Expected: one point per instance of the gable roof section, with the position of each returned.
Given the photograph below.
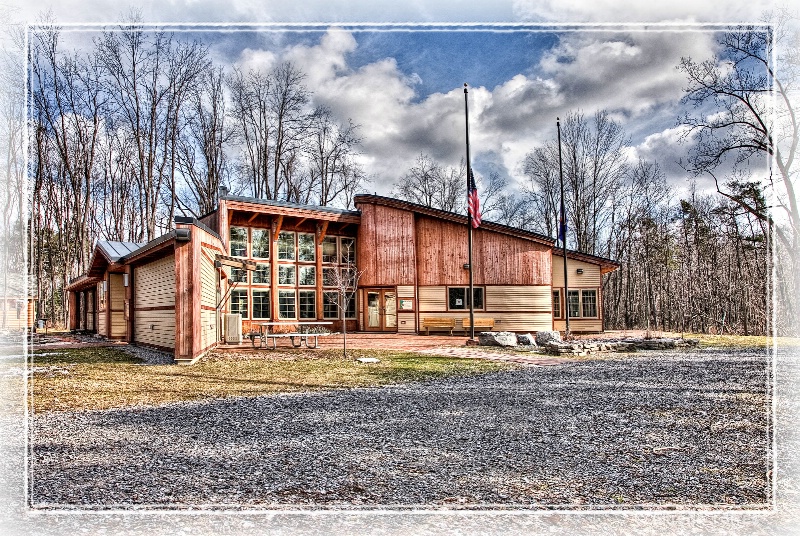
(114, 251)
(453, 217)
(606, 265)
(287, 208)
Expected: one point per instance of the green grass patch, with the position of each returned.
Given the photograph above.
(741, 341)
(104, 378)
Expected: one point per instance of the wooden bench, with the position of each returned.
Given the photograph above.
(482, 324)
(438, 324)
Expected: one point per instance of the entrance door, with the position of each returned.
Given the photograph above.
(381, 313)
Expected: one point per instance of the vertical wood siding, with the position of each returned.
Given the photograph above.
(386, 246)
(498, 259)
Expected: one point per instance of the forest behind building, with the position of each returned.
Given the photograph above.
(143, 126)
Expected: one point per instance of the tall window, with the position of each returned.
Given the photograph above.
(286, 246)
(286, 273)
(329, 308)
(286, 304)
(239, 302)
(329, 277)
(329, 249)
(238, 275)
(348, 250)
(238, 242)
(261, 306)
(308, 304)
(306, 249)
(589, 302)
(573, 303)
(308, 276)
(556, 304)
(260, 243)
(458, 297)
(261, 274)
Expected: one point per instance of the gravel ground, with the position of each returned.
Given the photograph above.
(676, 429)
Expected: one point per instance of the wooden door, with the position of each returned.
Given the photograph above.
(381, 310)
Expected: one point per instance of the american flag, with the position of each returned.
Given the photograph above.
(562, 225)
(473, 203)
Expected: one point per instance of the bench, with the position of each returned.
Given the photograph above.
(482, 324)
(438, 324)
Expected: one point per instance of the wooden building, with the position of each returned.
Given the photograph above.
(272, 261)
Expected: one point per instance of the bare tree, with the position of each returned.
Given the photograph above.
(345, 280)
(430, 184)
(201, 151)
(743, 115)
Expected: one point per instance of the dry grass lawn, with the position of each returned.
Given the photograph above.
(103, 378)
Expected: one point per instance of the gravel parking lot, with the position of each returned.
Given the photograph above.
(655, 429)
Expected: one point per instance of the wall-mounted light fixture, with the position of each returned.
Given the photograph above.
(466, 266)
(105, 286)
(580, 270)
(125, 279)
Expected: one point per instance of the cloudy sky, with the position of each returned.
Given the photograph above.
(403, 82)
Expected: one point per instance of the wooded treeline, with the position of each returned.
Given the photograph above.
(144, 126)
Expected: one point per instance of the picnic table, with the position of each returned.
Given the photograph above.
(297, 337)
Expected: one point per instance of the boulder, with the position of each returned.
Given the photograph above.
(526, 340)
(543, 337)
(497, 338)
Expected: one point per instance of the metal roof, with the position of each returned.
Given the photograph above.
(287, 204)
(116, 250)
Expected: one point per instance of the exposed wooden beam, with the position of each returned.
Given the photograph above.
(322, 230)
(277, 223)
(299, 223)
(254, 216)
(230, 217)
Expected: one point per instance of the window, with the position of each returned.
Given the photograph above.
(261, 306)
(238, 242)
(286, 304)
(308, 276)
(331, 310)
(348, 251)
(306, 249)
(286, 246)
(329, 249)
(329, 307)
(329, 278)
(286, 273)
(573, 303)
(238, 275)
(589, 303)
(260, 243)
(556, 304)
(308, 304)
(261, 274)
(239, 302)
(457, 297)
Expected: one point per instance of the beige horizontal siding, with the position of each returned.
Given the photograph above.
(410, 323)
(101, 323)
(208, 281)
(155, 327)
(520, 298)
(590, 277)
(208, 328)
(432, 299)
(117, 297)
(405, 291)
(154, 283)
(119, 326)
(591, 325)
(513, 321)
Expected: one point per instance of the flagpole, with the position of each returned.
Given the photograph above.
(471, 296)
(562, 226)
